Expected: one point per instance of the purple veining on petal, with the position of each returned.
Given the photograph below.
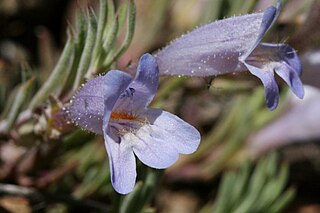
(128, 93)
(144, 86)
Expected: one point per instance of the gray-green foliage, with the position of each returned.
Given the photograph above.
(142, 192)
(254, 190)
(23, 93)
(91, 48)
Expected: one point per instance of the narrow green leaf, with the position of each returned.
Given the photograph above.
(282, 201)
(110, 18)
(273, 189)
(9, 102)
(95, 179)
(122, 14)
(21, 97)
(130, 200)
(58, 75)
(257, 183)
(262, 191)
(87, 50)
(110, 36)
(150, 183)
(259, 176)
(131, 18)
(106, 11)
(100, 29)
(142, 193)
(240, 188)
(271, 165)
(222, 204)
(80, 39)
(109, 41)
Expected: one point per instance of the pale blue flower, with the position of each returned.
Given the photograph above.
(233, 45)
(298, 122)
(116, 106)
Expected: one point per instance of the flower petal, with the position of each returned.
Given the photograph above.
(147, 76)
(178, 133)
(163, 139)
(141, 91)
(151, 151)
(160, 138)
(269, 83)
(122, 164)
(280, 58)
(269, 17)
(115, 83)
(121, 158)
(289, 68)
(87, 105)
(212, 49)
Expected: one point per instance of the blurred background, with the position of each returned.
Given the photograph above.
(249, 160)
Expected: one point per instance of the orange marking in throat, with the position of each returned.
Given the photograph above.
(123, 116)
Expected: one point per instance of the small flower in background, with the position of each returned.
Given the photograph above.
(233, 45)
(299, 122)
(115, 105)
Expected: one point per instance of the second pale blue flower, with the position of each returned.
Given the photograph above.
(233, 45)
